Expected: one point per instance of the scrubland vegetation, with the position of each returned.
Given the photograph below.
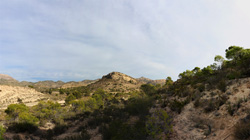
(216, 76)
(113, 115)
(137, 114)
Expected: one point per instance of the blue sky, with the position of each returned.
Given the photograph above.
(85, 39)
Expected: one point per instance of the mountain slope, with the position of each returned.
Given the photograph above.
(153, 82)
(78, 84)
(6, 77)
(7, 80)
(12, 95)
(117, 82)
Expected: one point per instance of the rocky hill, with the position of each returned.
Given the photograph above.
(6, 77)
(7, 80)
(153, 82)
(117, 82)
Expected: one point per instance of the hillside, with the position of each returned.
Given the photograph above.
(212, 103)
(13, 95)
(6, 77)
(116, 82)
(212, 122)
(153, 82)
(7, 80)
(78, 84)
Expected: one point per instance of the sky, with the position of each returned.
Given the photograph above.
(74, 40)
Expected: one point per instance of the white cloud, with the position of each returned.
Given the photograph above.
(76, 40)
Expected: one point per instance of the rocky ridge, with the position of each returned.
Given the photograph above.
(116, 82)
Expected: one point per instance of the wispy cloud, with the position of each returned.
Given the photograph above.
(76, 40)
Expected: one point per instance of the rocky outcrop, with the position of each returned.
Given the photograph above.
(119, 76)
(116, 82)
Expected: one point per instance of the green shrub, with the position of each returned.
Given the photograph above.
(69, 98)
(177, 106)
(77, 94)
(91, 105)
(26, 123)
(148, 89)
(100, 92)
(99, 100)
(233, 75)
(61, 91)
(26, 117)
(2, 131)
(169, 81)
(13, 110)
(78, 106)
(46, 110)
(119, 130)
(159, 122)
(49, 111)
(138, 106)
(21, 119)
(30, 86)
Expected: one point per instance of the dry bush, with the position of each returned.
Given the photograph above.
(202, 123)
(242, 130)
(213, 103)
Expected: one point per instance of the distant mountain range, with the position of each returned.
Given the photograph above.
(110, 81)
